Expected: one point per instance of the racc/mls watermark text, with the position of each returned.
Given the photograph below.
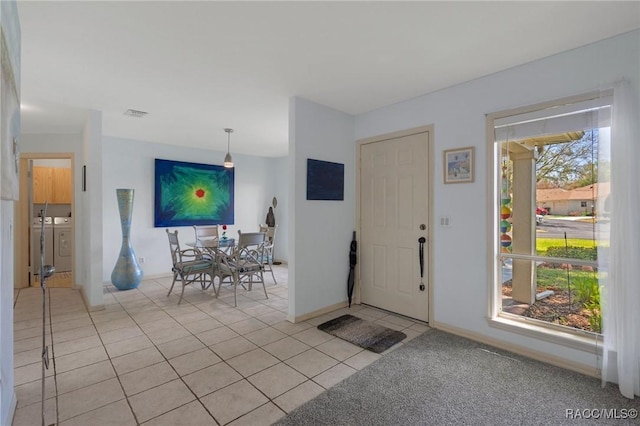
(601, 413)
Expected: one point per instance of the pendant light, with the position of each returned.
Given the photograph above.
(228, 161)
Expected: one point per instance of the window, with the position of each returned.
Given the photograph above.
(550, 180)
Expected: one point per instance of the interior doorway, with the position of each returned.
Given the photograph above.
(395, 222)
(45, 179)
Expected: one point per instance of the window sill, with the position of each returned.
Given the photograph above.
(583, 341)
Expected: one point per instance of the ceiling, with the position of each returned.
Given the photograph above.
(198, 67)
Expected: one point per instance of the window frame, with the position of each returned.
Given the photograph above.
(573, 338)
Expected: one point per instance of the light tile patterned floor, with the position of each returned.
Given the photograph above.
(144, 359)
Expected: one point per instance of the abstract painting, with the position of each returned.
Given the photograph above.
(193, 194)
(325, 180)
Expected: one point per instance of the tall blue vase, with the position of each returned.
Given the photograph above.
(127, 273)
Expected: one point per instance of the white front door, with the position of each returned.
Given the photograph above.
(393, 210)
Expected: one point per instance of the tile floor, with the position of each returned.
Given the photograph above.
(146, 360)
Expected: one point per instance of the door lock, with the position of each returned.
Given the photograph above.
(423, 226)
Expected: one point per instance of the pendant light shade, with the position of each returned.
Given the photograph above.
(228, 161)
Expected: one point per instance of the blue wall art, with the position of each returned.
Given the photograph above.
(192, 194)
(325, 180)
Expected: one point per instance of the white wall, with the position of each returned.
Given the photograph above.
(280, 171)
(89, 260)
(321, 230)
(7, 397)
(130, 164)
(458, 115)
(54, 143)
(11, 34)
(61, 163)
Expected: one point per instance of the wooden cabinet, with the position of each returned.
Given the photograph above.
(42, 184)
(52, 184)
(61, 186)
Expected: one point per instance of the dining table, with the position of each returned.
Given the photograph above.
(210, 244)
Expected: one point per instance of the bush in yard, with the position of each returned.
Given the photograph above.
(595, 318)
(585, 289)
(587, 292)
(572, 252)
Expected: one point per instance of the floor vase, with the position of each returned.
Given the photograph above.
(127, 273)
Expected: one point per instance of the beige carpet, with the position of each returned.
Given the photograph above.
(442, 379)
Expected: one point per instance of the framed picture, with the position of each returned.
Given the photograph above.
(193, 194)
(325, 180)
(458, 165)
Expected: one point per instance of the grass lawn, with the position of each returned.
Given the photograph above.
(548, 277)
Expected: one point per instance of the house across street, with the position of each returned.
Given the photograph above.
(574, 202)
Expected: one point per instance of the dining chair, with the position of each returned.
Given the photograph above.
(189, 266)
(205, 235)
(268, 248)
(244, 264)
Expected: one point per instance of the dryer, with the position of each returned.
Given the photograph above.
(63, 243)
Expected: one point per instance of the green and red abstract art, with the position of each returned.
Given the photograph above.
(192, 194)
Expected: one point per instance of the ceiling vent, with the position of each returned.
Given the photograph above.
(135, 113)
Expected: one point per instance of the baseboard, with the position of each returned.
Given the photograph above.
(153, 277)
(85, 299)
(148, 277)
(322, 311)
(520, 350)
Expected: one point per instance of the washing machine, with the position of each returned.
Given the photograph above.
(36, 232)
(63, 243)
